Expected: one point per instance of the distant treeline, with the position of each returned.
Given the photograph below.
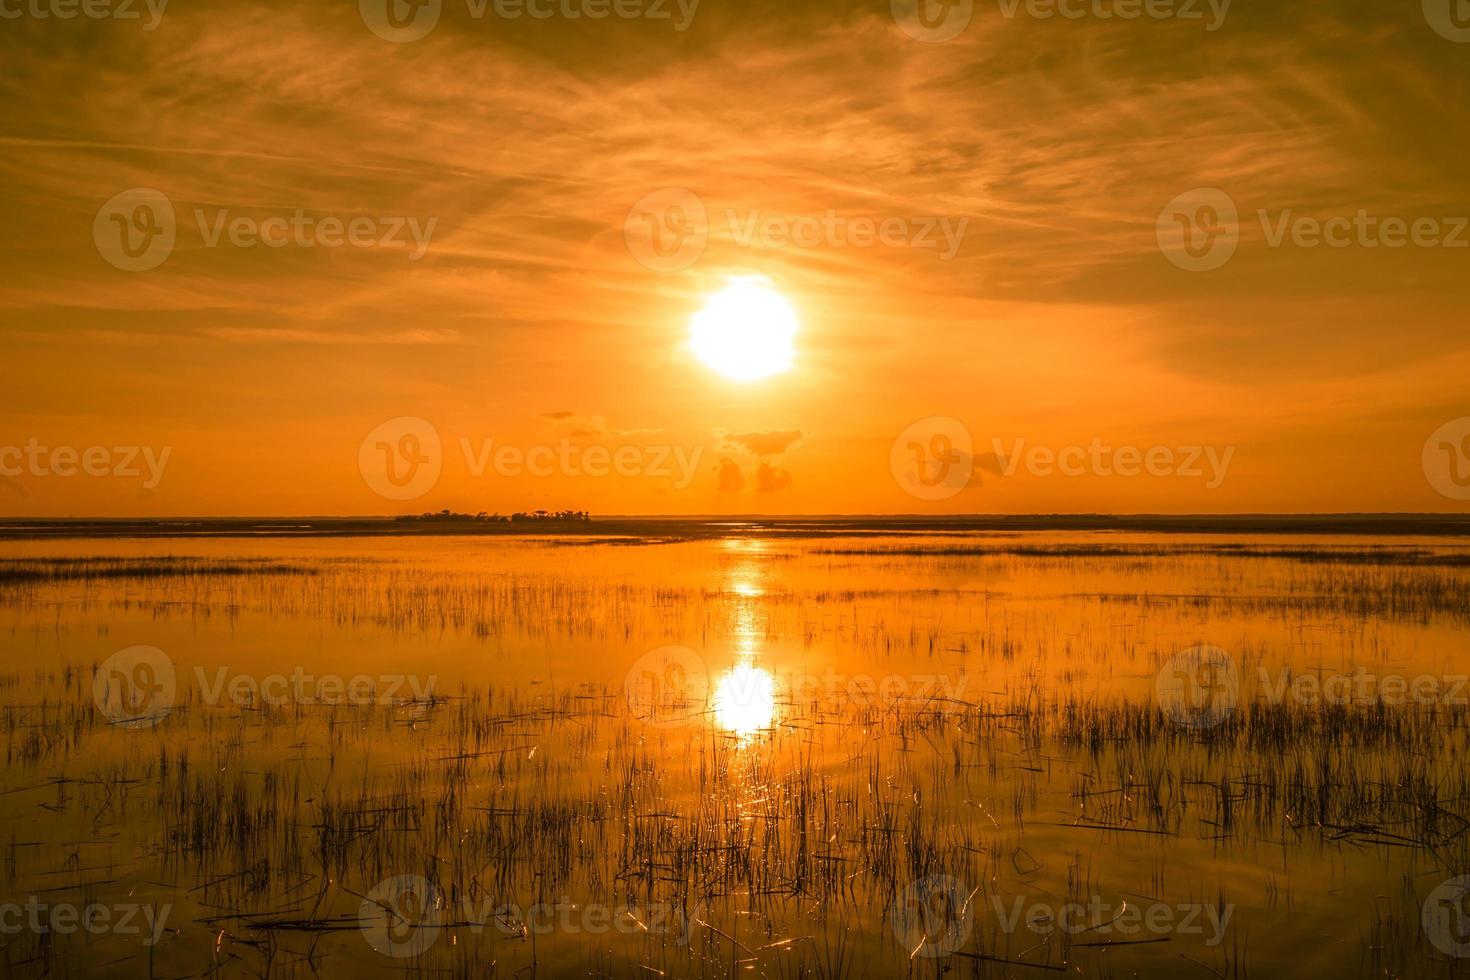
(520, 517)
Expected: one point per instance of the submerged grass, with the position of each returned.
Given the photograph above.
(1050, 775)
(43, 571)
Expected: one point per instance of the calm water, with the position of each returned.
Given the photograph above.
(1003, 755)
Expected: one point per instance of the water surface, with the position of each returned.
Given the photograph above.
(867, 755)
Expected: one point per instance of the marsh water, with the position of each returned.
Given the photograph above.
(833, 755)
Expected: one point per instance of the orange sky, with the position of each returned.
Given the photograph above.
(1048, 147)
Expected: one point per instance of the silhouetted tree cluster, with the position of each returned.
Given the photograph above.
(520, 517)
(559, 516)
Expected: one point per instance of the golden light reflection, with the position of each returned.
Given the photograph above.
(746, 587)
(745, 700)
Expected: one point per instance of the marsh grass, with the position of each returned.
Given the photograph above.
(1055, 776)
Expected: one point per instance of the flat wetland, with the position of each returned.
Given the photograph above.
(825, 749)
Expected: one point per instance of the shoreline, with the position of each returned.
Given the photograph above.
(690, 528)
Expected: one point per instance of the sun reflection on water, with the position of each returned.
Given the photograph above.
(745, 700)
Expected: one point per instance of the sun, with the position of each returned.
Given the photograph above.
(746, 331)
(745, 700)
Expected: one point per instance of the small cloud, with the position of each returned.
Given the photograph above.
(764, 443)
(731, 479)
(297, 335)
(591, 426)
(769, 478)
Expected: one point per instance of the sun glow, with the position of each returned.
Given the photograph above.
(746, 331)
(745, 700)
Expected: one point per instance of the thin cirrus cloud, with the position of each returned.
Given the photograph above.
(764, 443)
(1057, 142)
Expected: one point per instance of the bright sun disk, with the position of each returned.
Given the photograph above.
(745, 332)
